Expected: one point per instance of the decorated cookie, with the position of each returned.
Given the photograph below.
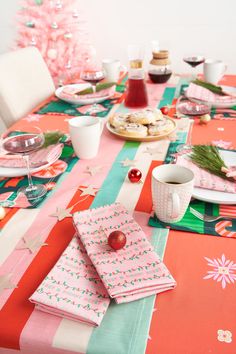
(133, 130)
(160, 127)
(119, 120)
(146, 116)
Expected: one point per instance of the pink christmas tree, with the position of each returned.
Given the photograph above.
(55, 28)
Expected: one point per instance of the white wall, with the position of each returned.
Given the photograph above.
(184, 27)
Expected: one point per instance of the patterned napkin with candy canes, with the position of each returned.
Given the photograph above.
(73, 288)
(130, 273)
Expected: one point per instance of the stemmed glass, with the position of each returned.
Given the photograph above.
(194, 61)
(93, 77)
(24, 144)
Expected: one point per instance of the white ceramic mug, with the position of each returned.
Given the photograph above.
(213, 70)
(112, 68)
(172, 188)
(85, 133)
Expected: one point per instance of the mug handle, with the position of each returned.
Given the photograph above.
(101, 126)
(175, 210)
(224, 68)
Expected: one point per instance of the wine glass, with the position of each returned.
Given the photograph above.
(24, 143)
(194, 61)
(93, 77)
(188, 145)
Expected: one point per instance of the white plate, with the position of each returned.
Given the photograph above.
(208, 195)
(219, 104)
(19, 172)
(78, 100)
(145, 138)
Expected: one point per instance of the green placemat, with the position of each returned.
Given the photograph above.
(50, 177)
(62, 107)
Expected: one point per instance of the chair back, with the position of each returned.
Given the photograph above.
(25, 81)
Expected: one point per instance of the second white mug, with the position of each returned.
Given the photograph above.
(85, 133)
(213, 70)
(112, 68)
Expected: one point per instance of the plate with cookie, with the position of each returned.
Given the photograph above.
(145, 125)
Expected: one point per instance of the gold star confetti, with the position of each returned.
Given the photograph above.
(93, 170)
(62, 213)
(153, 151)
(89, 190)
(6, 283)
(32, 244)
(127, 162)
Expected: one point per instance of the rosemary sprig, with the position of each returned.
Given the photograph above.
(99, 87)
(208, 158)
(213, 88)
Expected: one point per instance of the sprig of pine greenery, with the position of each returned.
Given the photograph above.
(51, 138)
(208, 158)
(213, 88)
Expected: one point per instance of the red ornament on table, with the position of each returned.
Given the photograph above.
(164, 110)
(117, 240)
(135, 175)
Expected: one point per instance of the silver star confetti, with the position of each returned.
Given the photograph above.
(89, 190)
(32, 244)
(93, 170)
(127, 162)
(153, 151)
(61, 213)
(6, 283)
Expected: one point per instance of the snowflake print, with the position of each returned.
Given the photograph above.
(224, 336)
(223, 270)
(32, 118)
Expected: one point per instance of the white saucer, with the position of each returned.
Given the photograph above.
(208, 195)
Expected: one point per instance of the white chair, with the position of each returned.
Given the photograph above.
(25, 81)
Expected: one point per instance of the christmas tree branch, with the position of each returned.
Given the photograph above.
(208, 158)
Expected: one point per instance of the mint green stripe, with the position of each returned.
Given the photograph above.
(115, 179)
(167, 97)
(125, 327)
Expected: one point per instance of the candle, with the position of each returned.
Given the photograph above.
(2, 212)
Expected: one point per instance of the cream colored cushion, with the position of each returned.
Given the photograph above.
(25, 82)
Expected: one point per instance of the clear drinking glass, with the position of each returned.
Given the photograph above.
(93, 77)
(24, 144)
(193, 61)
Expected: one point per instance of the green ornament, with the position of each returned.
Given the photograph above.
(38, 2)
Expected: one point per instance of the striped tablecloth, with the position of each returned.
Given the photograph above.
(197, 317)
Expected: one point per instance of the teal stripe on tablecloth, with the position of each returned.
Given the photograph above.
(115, 179)
(167, 97)
(125, 327)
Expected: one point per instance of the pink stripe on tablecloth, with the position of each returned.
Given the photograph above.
(38, 333)
(21, 259)
(155, 93)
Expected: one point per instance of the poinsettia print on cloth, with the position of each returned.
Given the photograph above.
(221, 270)
(224, 336)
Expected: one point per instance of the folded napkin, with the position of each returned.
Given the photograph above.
(73, 288)
(130, 273)
(201, 93)
(204, 179)
(37, 158)
(70, 93)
